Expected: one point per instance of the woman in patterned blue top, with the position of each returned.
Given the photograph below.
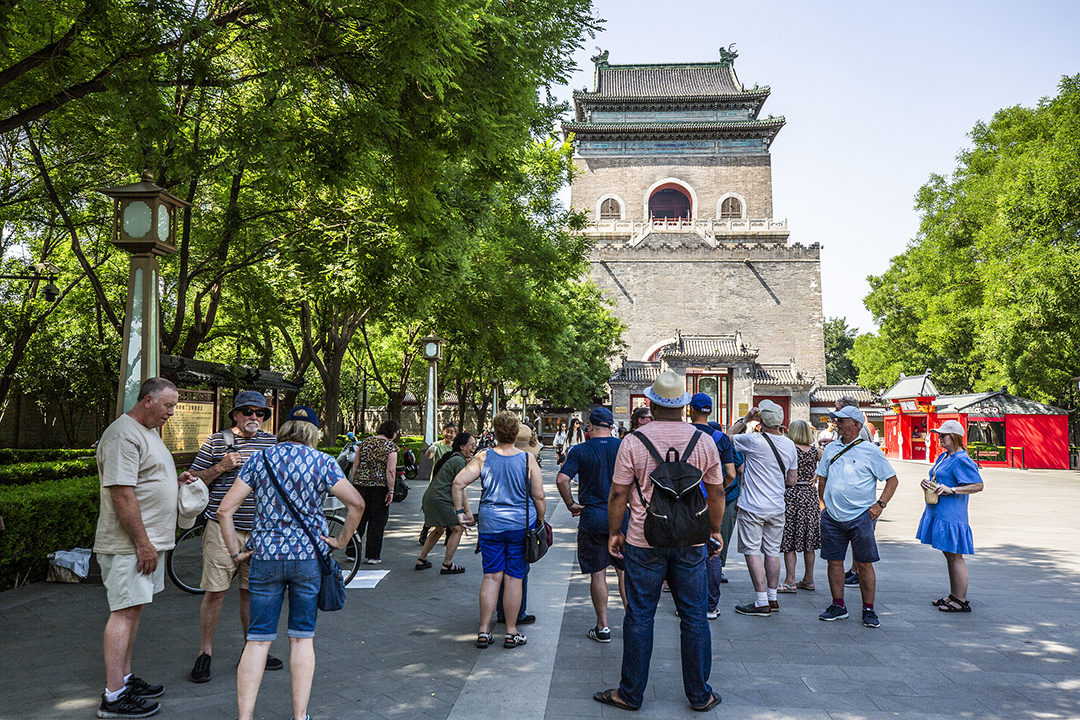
(944, 525)
(282, 556)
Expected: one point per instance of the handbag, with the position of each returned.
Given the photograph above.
(931, 496)
(332, 587)
(537, 539)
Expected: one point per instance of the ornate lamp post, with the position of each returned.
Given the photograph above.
(432, 348)
(144, 224)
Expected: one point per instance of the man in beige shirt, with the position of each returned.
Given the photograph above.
(136, 526)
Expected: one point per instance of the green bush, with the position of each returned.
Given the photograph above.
(9, 456)
(42, 518)
(26, 473)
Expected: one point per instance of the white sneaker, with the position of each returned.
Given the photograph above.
(372, 561)
(713, 614)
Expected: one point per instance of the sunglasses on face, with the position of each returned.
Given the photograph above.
(248, 412)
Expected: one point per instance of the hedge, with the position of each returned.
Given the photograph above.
(9, 456)
(32, 472)
(42, 518)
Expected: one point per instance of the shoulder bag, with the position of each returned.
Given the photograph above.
(931, 496)
(332, 589)
(537, 539)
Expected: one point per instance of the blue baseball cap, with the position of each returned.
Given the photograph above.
(701, 402)
(305, 413)
(601, 417)
(851, 413)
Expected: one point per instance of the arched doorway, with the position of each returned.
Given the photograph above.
(671, 202)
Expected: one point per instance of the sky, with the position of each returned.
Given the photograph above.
(877, 97)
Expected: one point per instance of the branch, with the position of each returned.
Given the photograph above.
(52, 51)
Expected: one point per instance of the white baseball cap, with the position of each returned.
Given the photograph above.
(190, 503)
(949, 427)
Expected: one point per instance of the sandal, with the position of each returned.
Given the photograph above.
(484, 639)
(422, 564)
(944, 601)
(607, 697)
(955, 606)
(803, 585)
(513, 641)
(787, 588)
(713, 702)
(451, 569)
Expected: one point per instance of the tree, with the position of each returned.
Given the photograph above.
(987, 293)
(839, 340)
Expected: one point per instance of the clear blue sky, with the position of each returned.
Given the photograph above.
(877, 96)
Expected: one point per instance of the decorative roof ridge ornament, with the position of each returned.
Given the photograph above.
(600, 60)
(728, 54)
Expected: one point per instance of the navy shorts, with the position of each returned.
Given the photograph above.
(504, 552)
(592, 552)
(836, 535)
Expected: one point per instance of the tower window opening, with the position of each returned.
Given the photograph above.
(731, 209)
(610, 210)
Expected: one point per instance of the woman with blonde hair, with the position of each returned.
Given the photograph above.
(511, 483)
(802, 521)
(944, 524)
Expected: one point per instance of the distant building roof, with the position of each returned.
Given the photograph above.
(912, 387)
(667, 80)
(778, 375)
(706, 346)
(635, 372)
(994, 404)
(829, 394)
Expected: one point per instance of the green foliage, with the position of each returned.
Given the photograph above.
(42, 518)
(9, 455)
(26, 473)
(989, 291)
(839, 340)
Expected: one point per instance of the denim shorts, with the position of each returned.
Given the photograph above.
(268, 581)
(592, 552)
(836, 535)
(504, 552)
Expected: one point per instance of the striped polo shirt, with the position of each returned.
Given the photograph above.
(212, 452)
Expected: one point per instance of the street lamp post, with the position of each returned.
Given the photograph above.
(432, 347)
(144, 225)
(42, 271)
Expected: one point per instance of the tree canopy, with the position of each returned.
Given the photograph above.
(839, 340)
(987, 294)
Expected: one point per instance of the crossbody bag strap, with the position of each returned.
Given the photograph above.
(295, 515)
(783, 470)
(933, 470)
(845, 450)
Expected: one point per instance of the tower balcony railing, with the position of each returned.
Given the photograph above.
(714, 231)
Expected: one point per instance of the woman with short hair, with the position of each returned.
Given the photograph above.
(438, 505)
(374, 473)
(511, 482)
(283, 558)
(944, 524)
(802, 513)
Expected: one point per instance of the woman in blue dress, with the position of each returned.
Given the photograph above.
(944, 525)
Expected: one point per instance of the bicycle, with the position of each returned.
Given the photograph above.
(183, 563)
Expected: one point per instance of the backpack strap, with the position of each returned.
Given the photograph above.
(659, 460)
(230, 439)
(690, 445)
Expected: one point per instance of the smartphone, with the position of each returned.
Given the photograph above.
(714, 546)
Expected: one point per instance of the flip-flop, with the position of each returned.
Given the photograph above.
(607, 697)
(787, 588)
(802, 585)
(421, 564)
(713, 702)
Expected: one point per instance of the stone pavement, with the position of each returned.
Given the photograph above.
(405, 648)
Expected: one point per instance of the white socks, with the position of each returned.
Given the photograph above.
(761, 599)
(771, 593)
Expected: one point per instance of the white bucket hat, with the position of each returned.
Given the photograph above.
(668, 390)
(949, 427)
(191, 502)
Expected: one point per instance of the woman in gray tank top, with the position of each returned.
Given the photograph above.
(511, 478)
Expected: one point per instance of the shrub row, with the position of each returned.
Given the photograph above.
(26, 473)
(41, 518)
(14, 455)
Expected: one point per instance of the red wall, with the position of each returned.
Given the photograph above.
(781, 400)
(1045, 439)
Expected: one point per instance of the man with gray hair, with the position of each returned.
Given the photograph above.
(851, 577)
(771, 467)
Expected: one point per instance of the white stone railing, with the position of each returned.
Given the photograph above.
(708, 229)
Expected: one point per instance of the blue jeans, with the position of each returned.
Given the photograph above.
(268, 581)
(714, 570)
(684, 570)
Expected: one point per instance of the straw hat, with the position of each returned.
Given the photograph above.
(525, 440)
(668, 390)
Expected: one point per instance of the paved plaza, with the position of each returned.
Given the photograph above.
(404, 649)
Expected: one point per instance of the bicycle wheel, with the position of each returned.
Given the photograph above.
(349, 557)
(184, 562)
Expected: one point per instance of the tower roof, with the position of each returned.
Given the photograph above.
(663, 81)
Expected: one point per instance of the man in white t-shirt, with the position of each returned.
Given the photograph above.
(771, 466)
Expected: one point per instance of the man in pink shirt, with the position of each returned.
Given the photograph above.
(648, 567)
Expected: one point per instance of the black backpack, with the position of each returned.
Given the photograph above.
(678, 515)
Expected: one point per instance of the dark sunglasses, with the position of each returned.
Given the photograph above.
(248, 412)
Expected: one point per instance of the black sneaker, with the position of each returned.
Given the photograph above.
(273, 663)
(851, 578)
(127, 706)
(869, 618)
(140, 688)
(601, 635)
(754, 610)
(201, 672)
(833, 612)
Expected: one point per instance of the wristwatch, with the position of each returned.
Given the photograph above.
(883, 505)
(461, 511)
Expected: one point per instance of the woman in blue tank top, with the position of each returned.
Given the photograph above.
(510, 479)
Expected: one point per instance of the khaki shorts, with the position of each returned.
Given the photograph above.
(125, 585)
(760, 534)
(218, 568)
